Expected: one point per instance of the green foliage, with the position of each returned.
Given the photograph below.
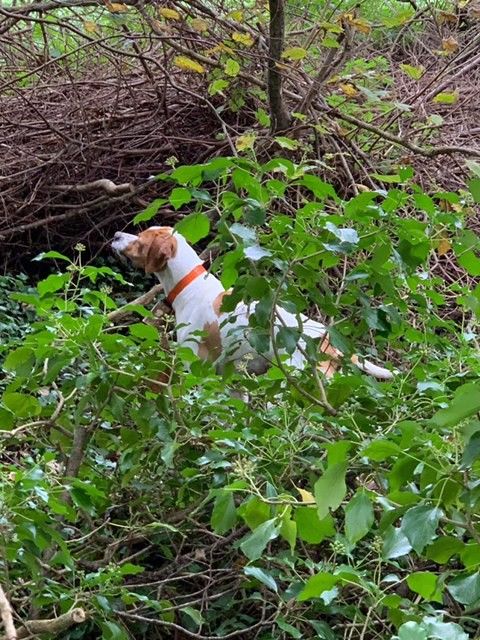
(187, 506)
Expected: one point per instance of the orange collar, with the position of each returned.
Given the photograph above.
(184, 282)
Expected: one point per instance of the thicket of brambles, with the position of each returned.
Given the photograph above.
(324, 157)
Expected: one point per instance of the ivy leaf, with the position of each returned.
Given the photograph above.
(466, 590)
(465, 403)
(359, 517)
(310, 528)
(472, 450)
(316, 585)
(411, 631)
(380, 450)
(423, 582)
(419, 525)
(224, 515)
(254, 544)
(262, 576)
(395, 544)
(330, 489)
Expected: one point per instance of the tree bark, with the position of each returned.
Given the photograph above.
(280, 119)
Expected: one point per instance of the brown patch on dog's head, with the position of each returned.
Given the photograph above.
(210, 346)
(152, 249)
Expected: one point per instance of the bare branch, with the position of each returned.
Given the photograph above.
(7, 617)
(53, 626)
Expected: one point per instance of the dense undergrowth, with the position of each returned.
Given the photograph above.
(188, 513)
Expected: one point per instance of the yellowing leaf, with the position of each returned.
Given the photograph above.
(443, 247)
(237, 16)
(243, 38)
(242, 143)
(361, 25)
(413, 72)
(187, 64)
(219, 48)
(306, 496)
(445, 17)
(90, 27)
(446, 97)
(348, 89)
(294, 53)
(450, 45)
(168, 14)
(199, 25)
(117, 7)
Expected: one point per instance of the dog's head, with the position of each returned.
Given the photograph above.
(150, 250)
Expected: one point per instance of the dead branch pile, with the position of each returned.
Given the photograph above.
(83, 129)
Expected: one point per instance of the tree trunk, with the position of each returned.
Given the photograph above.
(280, 119)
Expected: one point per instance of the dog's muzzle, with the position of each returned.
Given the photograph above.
(121, 241)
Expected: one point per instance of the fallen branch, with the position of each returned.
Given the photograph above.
(107, 185)
(7, 617)
(53, 626)
(145, 298)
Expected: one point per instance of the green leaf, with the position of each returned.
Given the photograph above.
(54, 255)
(446, 97)
(113, 631)
(472, 450)
(232, 68)
(150, 212)
(287, 143)
(194, 227)
(129, 569)
(411, 631)
(465, 403)
(413, 72)
(224, 515)
(319, 188)
(466, 590)
(474, 187)
(288, 531)
(254, 544)
(316, 585)
(21, 361)
(294, 53)
(395, 544)
(262, 576)
(443, 549)
(423, 582)
(179, 197)
(254, 512)
(310, 528)
(21, 404)
(330, 489)
(217, 86)
(380, 450)
(144, 331)
(288, 628)
(419, 525)
(359, 517)
(194, 615)
(444, 630)
(53, 283)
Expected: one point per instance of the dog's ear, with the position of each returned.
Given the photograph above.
(159, 252)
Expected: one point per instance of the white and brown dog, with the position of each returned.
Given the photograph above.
(196, 297)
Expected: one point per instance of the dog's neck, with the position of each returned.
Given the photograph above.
(184, 261)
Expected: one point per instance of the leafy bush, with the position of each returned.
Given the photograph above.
(187, 509)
